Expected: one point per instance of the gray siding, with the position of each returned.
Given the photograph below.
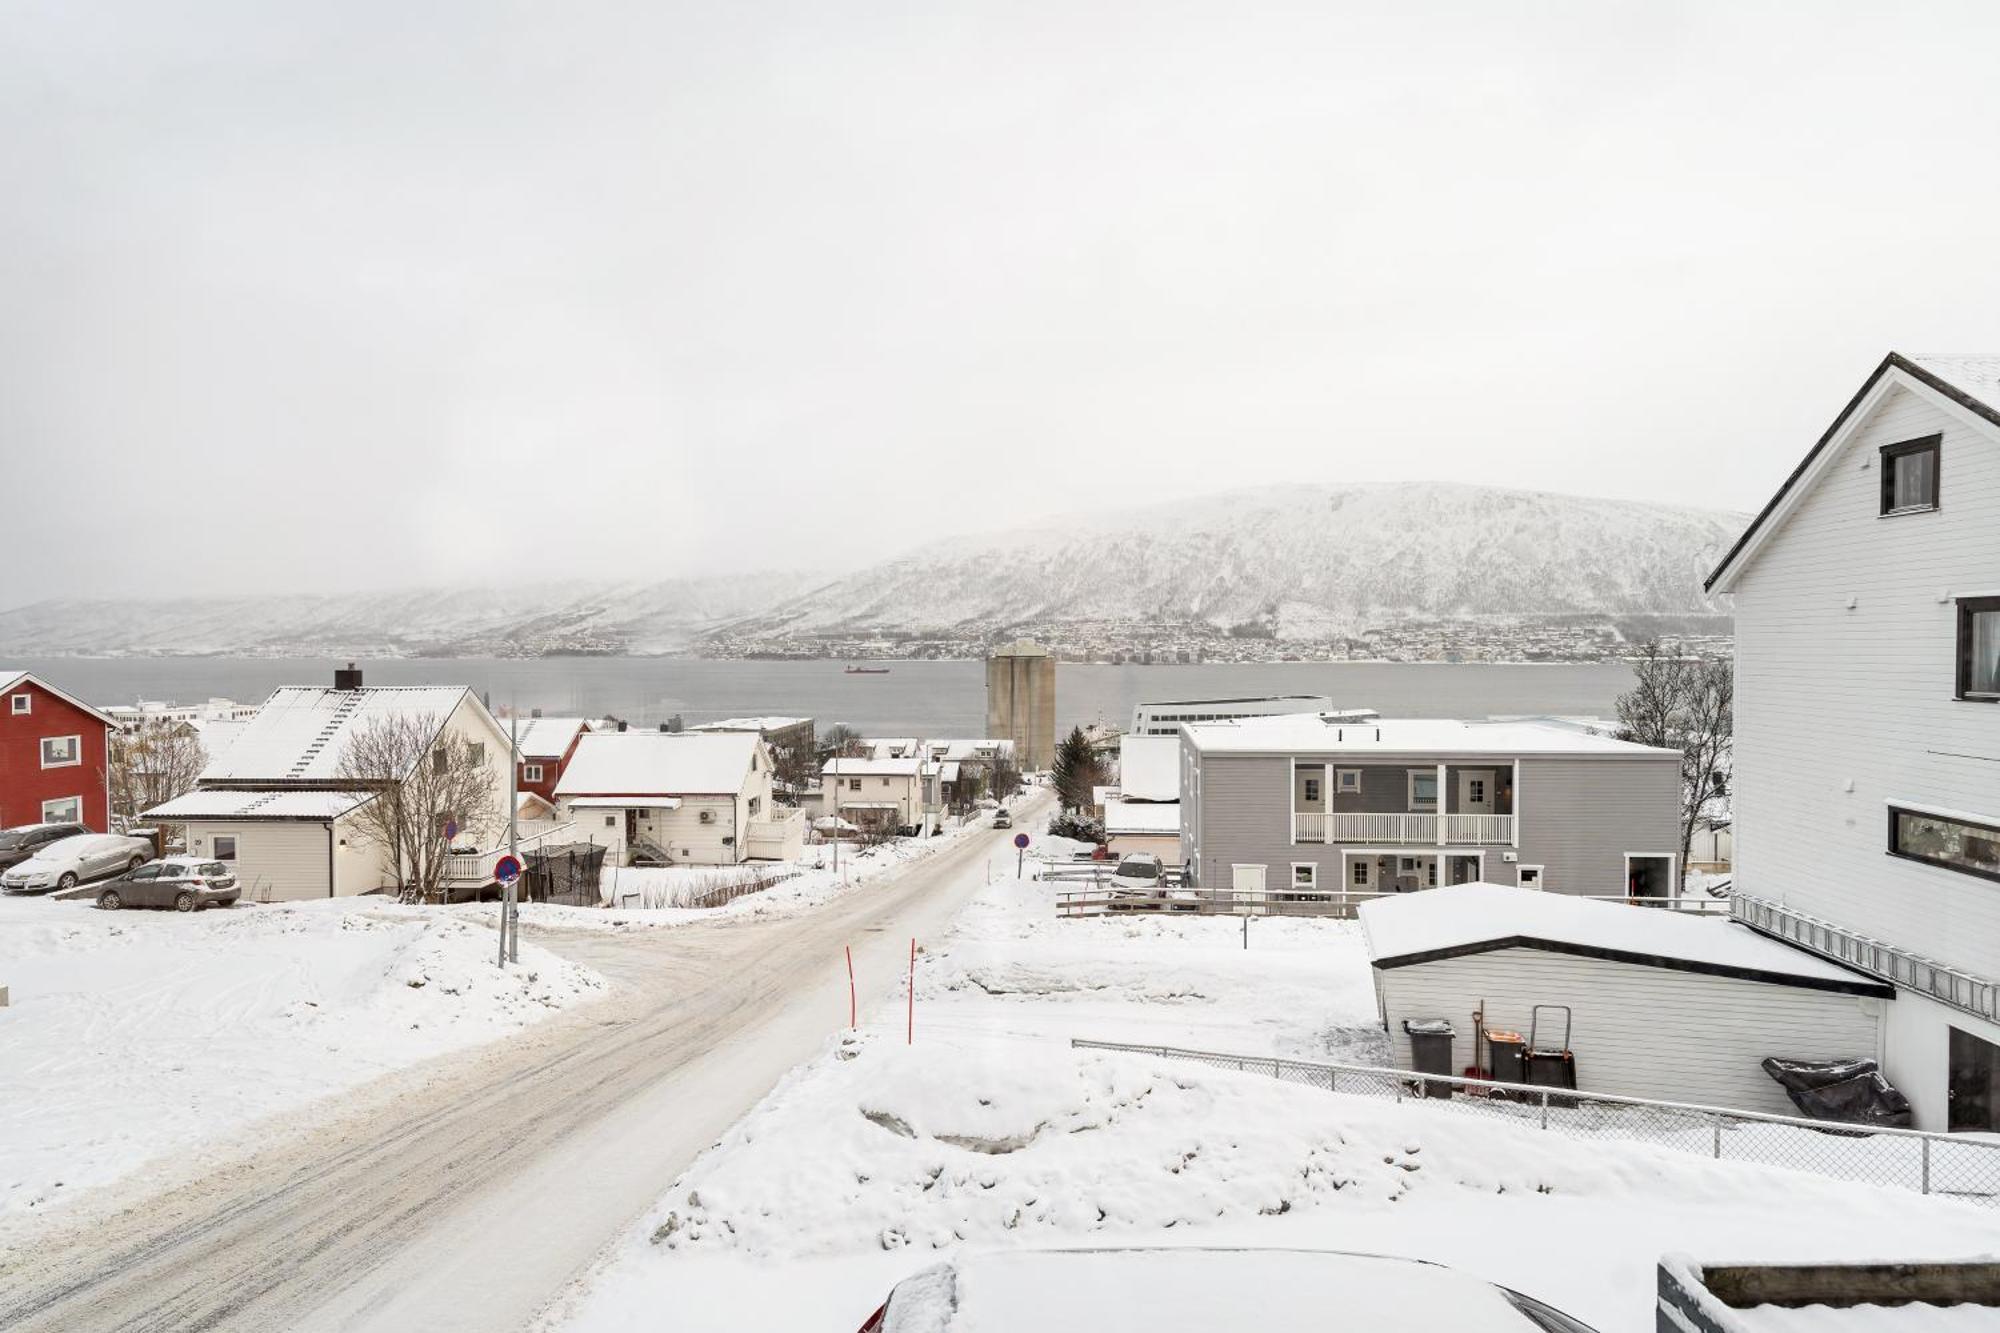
(1580, 816)
(1244, 816)
(1640, 1031)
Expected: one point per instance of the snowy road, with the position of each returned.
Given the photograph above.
(464, 1192)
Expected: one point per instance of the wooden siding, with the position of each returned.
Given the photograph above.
(275, 861)
(1639, 1031)
(1840, 708)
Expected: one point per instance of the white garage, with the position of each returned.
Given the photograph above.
(1665, 1006)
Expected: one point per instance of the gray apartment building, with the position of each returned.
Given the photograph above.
(1315, 803)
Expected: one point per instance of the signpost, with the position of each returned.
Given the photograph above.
(507, 869)
(1020, 851)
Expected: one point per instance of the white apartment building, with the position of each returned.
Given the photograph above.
(1867, 754)
(1165, 718)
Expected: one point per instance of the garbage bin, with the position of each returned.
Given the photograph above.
(1506, 1056)
(1430, 1051)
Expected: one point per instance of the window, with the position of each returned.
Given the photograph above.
(531, 772)
(440, 760)
(1423, 789)
(223, 846)
(1979, 648)
(611, 821)
(854, 784)
(1531, 877)
(1305, 875)
(1347, 780)
(476, 752)
(1311, 789)
(22, 703)
(1955, 844)
(145, 873)
(61, 751)
(68, 810)
(1475, 791)
(756, 803)
(1359, 874)
(1910, 476)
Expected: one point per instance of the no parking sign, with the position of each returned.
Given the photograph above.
(507, 869)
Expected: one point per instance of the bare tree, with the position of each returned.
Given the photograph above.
(423, 781)
(152, 765)
(841, 741)
(1006, 778)
(1688, 704)
(794, 767)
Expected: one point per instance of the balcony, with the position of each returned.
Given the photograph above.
(1977, 996)
(1406, 829)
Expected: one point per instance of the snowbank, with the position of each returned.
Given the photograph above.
(134, 1034)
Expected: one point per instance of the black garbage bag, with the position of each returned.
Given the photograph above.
(1849, 1092)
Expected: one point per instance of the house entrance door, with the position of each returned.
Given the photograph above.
(1973, 1092)
(1475, 791)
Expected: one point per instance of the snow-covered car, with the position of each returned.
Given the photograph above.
(73, 861)
(1001, 819)
(1195, 1290)
(18, 844)
(184, 883)
(1139, 877)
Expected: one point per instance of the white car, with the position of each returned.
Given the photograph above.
(1195, 1290)
(78, 860)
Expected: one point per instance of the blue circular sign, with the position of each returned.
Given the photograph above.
(1020, 840)
(507, 869)
(451, 830)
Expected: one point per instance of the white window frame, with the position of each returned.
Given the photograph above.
(1312, 878)
(1414, 774)
(531, 772)
(1673, 860)
(53, 813)
(215, 841)
(1364, 864)
(1342, 784)
(1541, 877)
(75, 752)
(23, 704)
(1308, 784)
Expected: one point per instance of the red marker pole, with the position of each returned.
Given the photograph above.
(850, 986)
(910, 1037)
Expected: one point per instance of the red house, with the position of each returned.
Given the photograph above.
(54, 756)
(546, 744)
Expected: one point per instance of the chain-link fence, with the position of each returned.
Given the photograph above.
(1958, 1166)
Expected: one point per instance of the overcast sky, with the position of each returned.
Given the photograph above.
(349, 294)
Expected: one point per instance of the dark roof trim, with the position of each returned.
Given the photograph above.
(1858, 986)
(1894, 360)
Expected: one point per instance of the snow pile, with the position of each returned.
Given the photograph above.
(134, 1034)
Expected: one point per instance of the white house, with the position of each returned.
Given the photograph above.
(1866, 785)
(274, 805)
(689, 798)
(1656, 1004)
(1143, 811)
(872, 792)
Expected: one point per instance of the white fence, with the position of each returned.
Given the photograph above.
(1404, 829)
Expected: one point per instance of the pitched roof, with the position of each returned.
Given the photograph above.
(546, 737)
(659, 763)
(226, 804)
(1434, 924)
(1972, 382)
(301, 731)
(12, 676)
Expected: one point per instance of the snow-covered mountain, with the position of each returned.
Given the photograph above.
(1297, 561)
(1300, 559)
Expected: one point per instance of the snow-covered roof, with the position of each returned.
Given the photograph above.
(217, 734)
(659, 763)
(752, 724)
(870, 768)
(545, 737)
(1142, 816)
(1149, 768)
(10, 677)
(891, 747)
(1309, 733)
(301, 731)
(211, 804)
(625, 802)
(1431, 924)
(968, 749)
(1976, 375)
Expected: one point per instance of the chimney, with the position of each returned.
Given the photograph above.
(663, 727)
(534, 712)
(621, 725)
(347, 677)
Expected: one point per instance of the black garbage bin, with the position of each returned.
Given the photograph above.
(1430, 1051)
(1506, 1055)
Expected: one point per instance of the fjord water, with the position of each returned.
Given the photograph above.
(927, 698)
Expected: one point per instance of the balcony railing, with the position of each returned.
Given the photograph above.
(1404, 829)
(1977, 996)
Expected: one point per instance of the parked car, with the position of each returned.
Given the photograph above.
(1189, 1290)
(68, 862)
(184, 883)
(18, 844)
(1139, 872)
(1001, 819)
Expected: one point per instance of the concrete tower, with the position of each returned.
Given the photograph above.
(1021, 701)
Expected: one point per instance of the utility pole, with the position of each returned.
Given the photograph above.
(513, 816)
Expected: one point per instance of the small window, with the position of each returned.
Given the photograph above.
(1531, 877)
(1979, 648)
(1910, 476)
(1311, 790)
(212, 868)
(477, 752)
(223, 847)
(531, 772)
(1305, 875)
(61, 751)
(440, 760)
(1475, 790)
(22, 704)
(148, 872)
(67, 810)
(1954, 844)
(1423, 789)
(1347, 780)
(854, 784)
(611, 821)
(1359, 875)
(756, 802)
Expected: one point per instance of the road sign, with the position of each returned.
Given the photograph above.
(451, 830)
(507, 869)
(1021, 840)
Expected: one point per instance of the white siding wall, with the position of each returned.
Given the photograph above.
(1639, 1031)
(692, 842)
(275, 862)
(471, 722)
(1827, 695)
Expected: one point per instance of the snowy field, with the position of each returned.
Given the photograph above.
(136, 1034)
(877, 1158)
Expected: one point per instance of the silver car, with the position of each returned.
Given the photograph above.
(74, 861)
